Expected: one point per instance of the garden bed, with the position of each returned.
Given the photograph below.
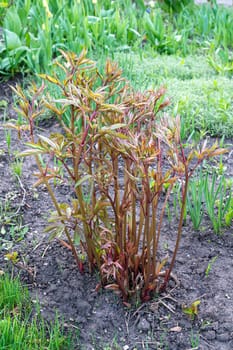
(98, 319)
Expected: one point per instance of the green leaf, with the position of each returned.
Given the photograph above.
(12, 40)
(4, 4)
(141, 4)
(229, 217)
(83, 179)
(35, 149)
(106, 13)
(110, 107)
(93, 19)
(30, 152)
(49, 142)
(49, 78)
(113, 127)
(3, 103)
(135, 32)
(191, 310)
(12, 21)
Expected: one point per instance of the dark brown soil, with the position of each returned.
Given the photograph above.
(101, 318)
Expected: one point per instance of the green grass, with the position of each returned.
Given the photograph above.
(202, 97)
(19, 330)
(196, 91)
(12, 294)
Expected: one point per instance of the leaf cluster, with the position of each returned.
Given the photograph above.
(121, 158)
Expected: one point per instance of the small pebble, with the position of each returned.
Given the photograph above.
(126, 347)
(143, 325)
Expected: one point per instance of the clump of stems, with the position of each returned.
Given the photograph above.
(121, 162)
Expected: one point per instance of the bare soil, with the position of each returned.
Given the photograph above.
(49, 270)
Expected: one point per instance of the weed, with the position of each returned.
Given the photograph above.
(16, 167)
(210, 264)
(229, 213)
(195, 200)
(8, 140)
(217, 200)
(221, 61)
(194, 340)
(168, 212)
(177, 200)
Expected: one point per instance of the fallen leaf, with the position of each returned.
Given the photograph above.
(12, 256)
(191, 310)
